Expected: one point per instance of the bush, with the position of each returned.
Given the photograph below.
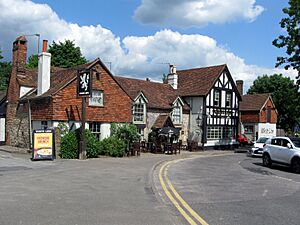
(112, 146)
(126, 132)
(69, 146)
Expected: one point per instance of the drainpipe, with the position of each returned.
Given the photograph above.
(30, 126)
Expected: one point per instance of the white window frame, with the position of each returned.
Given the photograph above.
(97, 98)
(139, 111)
(217, 97)
(95, 128)
(177, 113)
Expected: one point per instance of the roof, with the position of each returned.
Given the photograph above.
(2, 95)
(204, 78)
(253, 102)
(59, 78)
(163, 120)
(159, 95)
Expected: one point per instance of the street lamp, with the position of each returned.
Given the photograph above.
(38, 36)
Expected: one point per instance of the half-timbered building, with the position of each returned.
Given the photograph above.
(214, 104)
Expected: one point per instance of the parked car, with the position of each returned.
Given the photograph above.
(257, 148)
(282, 150)
(243, 140)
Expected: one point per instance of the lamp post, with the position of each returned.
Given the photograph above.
(199, 122)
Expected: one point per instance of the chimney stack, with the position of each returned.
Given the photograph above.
(44, 70)
(20, 52)
(173, 77)
(239, 85)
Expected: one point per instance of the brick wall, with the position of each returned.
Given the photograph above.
(250, 117)
(117, 104)
(264, 113)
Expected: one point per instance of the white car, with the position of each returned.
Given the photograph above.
(282, 150)
(257, 148)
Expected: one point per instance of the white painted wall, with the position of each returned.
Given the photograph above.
(24, 90)
(105, 130)
(2, 129)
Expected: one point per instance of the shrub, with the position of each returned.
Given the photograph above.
(127, 132)
(69, 146)
(112, 146)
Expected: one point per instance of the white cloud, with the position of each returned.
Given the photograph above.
(196, 12)
(136, 56)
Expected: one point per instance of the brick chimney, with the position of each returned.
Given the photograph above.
(44, 70)
(239, 85)
(173, 77)
(20, 53)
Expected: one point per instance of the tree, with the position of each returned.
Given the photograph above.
(5, 71)
(33, 61)
(285, 96)
(65, 54)
(292, 39)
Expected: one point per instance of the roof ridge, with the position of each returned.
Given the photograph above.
(206, 67)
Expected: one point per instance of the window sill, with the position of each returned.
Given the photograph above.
(96, 106)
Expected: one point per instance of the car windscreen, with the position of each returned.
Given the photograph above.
(296, 142)
(261, 140)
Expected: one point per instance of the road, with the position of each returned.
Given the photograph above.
(232, 189)
(72, 192)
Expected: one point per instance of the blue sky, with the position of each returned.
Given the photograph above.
(136, 36)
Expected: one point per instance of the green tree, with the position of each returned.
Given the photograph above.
(33, 61)
(291, 41)
(5, 71)
(66, 54)
(285, 96)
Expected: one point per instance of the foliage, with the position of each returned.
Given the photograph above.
(69, 146)
(33, 61)
(65, 54)
(112, 146)
(63, 128)
(126, 132)
(291, 24)
(5, 71)
(285, 96)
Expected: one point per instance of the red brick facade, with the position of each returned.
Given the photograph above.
(116, 108)
(250, 117)
(264, 113)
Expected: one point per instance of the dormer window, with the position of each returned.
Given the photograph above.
(139, 111)
(177, 112)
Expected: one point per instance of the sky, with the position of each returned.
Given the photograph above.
(139, 38)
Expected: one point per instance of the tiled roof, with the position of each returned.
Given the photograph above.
(2, 95)
(59, 78)
(198, 81)
(159, 95)
(253, 102)
(161, 121)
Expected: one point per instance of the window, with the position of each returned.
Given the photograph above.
(94, 127)
(138, 112)
(275, 142)
(217, 98)
(228, 99)
(176, 114)
(248, 129)
(214, 133)
(219, 132)
(44, 125)
(269, 115)
(97, 98)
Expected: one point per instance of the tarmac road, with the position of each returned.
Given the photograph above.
(90, 192)
(232, 189)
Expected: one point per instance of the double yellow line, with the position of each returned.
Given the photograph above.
(182, 206)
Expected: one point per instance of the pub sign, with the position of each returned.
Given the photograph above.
(84, 83)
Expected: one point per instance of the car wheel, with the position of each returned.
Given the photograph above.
(296, 165)
(267, 160)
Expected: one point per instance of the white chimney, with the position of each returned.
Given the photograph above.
(44, 70)
(173, 77)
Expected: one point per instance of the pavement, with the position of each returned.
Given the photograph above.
(11, 149)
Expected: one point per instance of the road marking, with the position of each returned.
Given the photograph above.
(181, 205)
